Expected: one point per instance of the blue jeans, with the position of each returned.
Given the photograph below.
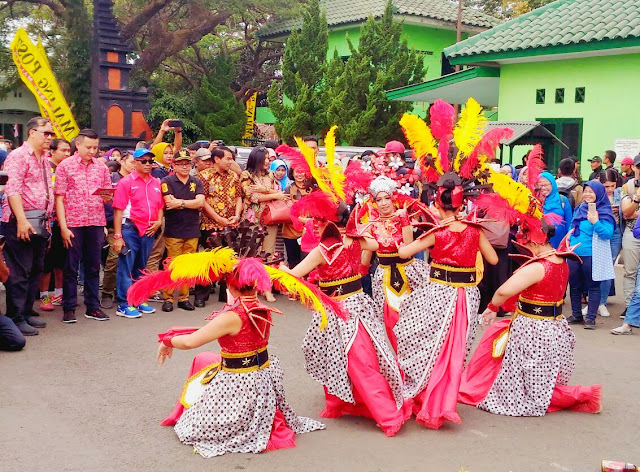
(11, 339)
(131, 265)
(632, 317)
(616, 246)
(579, 281)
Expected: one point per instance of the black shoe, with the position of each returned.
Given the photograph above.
(623, 315)
(199, 303)
(186, 305)
(35, 322)
(589, 324)
(168, 306)
(26, 329)
(575, 320)
(96, 315)
(69, 317)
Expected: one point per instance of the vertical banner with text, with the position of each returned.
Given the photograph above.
(33, 67)
(251, 116)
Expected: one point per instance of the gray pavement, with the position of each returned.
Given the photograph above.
(89, 397)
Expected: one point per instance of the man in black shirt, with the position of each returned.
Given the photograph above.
(596, 167)
(183, 198)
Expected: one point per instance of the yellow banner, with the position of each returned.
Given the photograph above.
(33, 67)
(251, 116)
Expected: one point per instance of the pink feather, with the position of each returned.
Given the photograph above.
(535, 166)
(149, 283)
(357, 180)
(442, 116)
(497, 208)
(296, 159)
(486, 147)
(251, 271)
(317, 205)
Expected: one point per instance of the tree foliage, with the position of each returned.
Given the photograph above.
(297, 102)
(355, 90)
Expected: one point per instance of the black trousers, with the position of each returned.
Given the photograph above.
(86, 247)
(25, 260)
(202, 292)
(11, 339)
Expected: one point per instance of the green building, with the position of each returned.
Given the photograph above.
(572, 65)
(429, 27)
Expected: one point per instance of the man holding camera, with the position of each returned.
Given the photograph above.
(25, 223)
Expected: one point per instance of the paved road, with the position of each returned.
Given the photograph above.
(88, 397)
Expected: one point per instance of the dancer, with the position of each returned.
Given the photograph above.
(437, 323)
(350, 358)
(237, 403)
(523, 365)
(396, 276)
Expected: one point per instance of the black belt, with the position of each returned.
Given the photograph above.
(392, 259)
(535, 309)
(245, 361)
(462, 276)
(394, 262)
(342, 288)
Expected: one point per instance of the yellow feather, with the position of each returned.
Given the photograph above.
(469, 129)
(518, 195)
(420, 139)
(200, 265)
(334, 169)
(294, 286)
(318, 173)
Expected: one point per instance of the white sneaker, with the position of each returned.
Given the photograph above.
(584, 310)
(621, 330)
(602, 311)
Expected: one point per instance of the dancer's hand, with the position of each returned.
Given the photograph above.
(487, 317)
(164, 352)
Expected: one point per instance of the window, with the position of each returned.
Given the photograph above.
(540, 96)
(560, 95)
(580, 94)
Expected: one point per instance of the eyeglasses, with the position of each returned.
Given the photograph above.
(49, 134)
(145, 161)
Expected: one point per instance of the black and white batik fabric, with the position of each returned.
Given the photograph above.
(235, 413)
(417, 272)
(425, 320)
(538, 356)
(325, 351)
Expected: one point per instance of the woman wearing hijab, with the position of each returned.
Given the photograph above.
(509, 170)
(163, 155)
(281, 173)
(554, 203)
(523, 175)
(592, 230)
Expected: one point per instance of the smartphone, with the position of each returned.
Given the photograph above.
(3, 177)
(592, 208)
(175, 123)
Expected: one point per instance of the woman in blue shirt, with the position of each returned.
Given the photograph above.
(588, 226)
(554, 203)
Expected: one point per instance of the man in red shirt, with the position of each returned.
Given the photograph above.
(28, 193)
(138, 212)
(82, 221)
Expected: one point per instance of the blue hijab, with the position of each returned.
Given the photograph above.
(514, 172)
(603, 207)
(284, 181)
(553, 201)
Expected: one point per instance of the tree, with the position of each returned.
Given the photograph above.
(303, 69)
(356, 91)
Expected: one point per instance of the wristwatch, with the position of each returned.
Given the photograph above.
(182, 205)
(637, 202)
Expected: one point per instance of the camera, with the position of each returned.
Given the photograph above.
(175, 123)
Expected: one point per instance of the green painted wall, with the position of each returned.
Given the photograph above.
(610, 110)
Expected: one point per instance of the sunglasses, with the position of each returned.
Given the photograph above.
(145, 161)
(46, 133)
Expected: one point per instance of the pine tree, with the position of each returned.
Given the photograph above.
(297, 101)
(218, 114)
(382, 61)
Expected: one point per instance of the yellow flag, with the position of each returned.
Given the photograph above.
(33, 67)
(251, 116)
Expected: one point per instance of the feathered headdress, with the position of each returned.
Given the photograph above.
(317, 205)
(209, 266)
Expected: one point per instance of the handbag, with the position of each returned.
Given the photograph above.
(276, 211)
(39, 219)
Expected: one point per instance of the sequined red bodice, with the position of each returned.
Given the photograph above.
(553, 286)
(346, 264)
(388, 232)
(256, 324)
(455, 248)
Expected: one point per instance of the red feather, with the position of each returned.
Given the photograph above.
(535, 166)
(250, 271)
(317, 205)
(430, 174)
(486, 147)
(357, 180)
(149, 283)
(469, 166)
(442, 116)
(296, 159)
(497, 208)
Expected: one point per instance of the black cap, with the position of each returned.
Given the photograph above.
(595, 159)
